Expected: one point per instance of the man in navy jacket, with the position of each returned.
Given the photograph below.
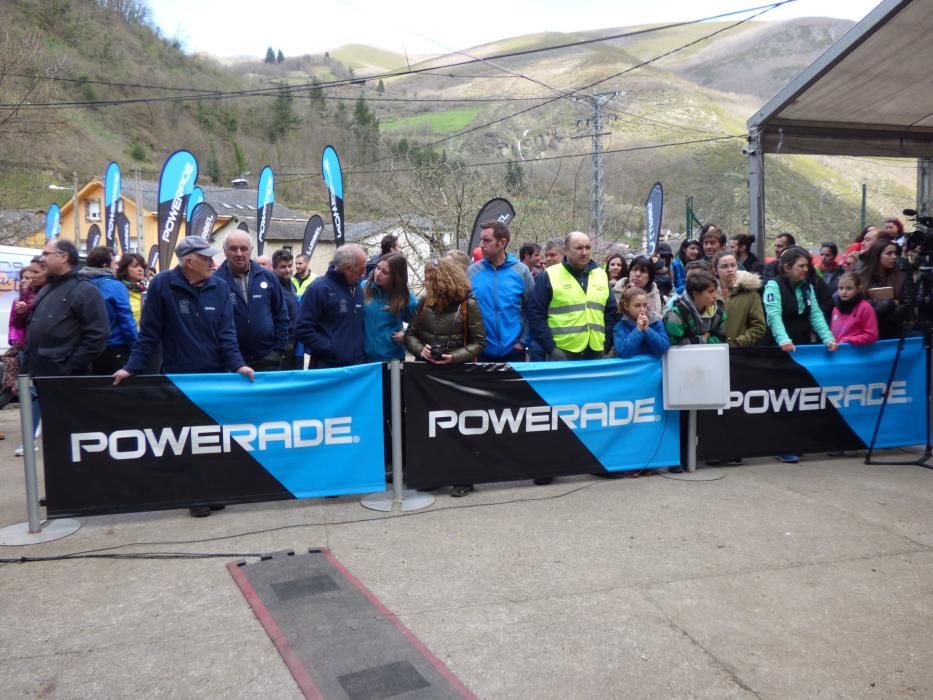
(191, 313)
(260, 311)
(330, 320)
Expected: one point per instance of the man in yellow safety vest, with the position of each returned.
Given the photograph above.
(572, 312)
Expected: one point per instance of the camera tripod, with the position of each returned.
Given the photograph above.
(927, 328)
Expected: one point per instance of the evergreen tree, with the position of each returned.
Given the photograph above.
(514, 177)
(284, 118)
(316, 95)
(213, 166)
(381, 88)
(280, 57)
(239, 158)
(270, 56)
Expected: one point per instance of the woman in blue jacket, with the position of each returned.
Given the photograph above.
(387, 303)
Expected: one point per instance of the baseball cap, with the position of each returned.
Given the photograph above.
(664, 249)
(195, 244)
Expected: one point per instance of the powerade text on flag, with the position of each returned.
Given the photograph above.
(179, 175)
(499, 422)
(265, 198)
(333, 178)
(111, 197)
(197, 196)
(53, 221)
(225, 440)
(654, 207)
(203, 218)
(313, 230)
(497, 209)
(812, 400)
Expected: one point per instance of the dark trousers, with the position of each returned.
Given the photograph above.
(267, 363)
(110, 360)
(517, 355)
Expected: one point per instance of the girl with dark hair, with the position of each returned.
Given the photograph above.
(854, 320)
(641, 274)
(131, 270)
(829, 268)
(882, 271)
(616, 267)
(745, 317)
(689, 251)
(741, 246)
(387, 304)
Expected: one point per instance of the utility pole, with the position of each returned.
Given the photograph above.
(74, 210)
(140, 240)
(598, 102)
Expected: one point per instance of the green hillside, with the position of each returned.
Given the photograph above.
(519, 110)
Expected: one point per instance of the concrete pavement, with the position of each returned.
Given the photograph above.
(812, 580)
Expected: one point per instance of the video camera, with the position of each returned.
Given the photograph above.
(921, 240)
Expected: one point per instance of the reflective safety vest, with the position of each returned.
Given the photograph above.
(301, 285)
(576, 318)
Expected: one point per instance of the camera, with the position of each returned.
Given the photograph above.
(921, 240)
(438, 350)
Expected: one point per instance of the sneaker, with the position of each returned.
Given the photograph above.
(675, 470)
(18, 452)
(734, 461)
(543, 481)
(199, 511)
(788, 459)
(461, 490)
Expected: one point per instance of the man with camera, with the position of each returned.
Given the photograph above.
(503, 287)
(330, 318)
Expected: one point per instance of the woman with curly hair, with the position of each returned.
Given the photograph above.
(447, 326)
(616, 267)
(131, 270)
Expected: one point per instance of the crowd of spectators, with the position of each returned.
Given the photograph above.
(551, 302)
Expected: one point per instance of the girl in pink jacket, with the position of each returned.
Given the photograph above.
(853, 319)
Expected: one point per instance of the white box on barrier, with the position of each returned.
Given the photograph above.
(696, 377)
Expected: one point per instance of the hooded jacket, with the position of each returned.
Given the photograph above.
(745, 316)
(430, 326)
(503, 294)
(117, 300)
(379, 323)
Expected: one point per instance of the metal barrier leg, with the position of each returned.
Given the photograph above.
(408, 499)
(692, 441)
(33, 531)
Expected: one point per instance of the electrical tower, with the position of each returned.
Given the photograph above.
(598, 102)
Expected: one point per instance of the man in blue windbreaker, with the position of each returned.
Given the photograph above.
(503, 287)
(260, 312)
(330, 318)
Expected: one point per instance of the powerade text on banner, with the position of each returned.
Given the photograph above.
(111, 197)
(265, 198)
(157, 442)
(654, 208)
(333, 178)
(497, 422)
(179, 175)
(812, 400)
(497, 209)
(53, 221)
(313, 230)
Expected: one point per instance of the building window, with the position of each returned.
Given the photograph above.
(92, 210)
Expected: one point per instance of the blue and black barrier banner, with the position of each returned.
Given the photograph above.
(159, 442)
(813, 400)
(499, 422)
(265, 200)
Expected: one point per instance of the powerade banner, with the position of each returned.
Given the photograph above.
(333, 178)
(313, 230)
(498, 422)
(53, 221)
(497, 209)
(111, 197)
(93, 236)
(654, 207)
(225, 440)
(201, 223)
(812, 400)
(197, 196)
(265, 198)
(179, 174)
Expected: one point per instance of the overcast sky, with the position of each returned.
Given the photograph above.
(248, 27)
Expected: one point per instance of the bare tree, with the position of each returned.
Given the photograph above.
(24, 75)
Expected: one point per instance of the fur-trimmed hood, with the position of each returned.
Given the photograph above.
(747, 282)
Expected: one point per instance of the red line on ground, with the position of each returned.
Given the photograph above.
(305, 683)
(409, 635)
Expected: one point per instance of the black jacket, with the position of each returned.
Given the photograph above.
(68, 328)
(261, 319)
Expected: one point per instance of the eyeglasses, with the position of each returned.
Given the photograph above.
(46, 253)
